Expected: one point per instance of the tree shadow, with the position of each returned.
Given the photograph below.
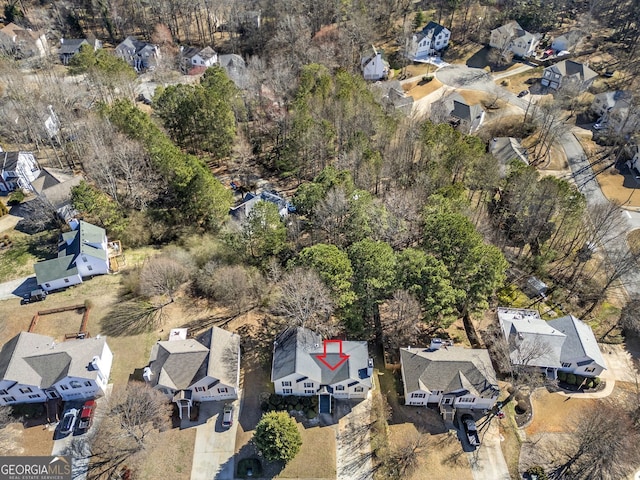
(480, 59)
(229, 469)
(131, 317)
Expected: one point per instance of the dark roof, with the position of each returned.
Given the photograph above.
(436, 27)
(70, 46)
(10, 160)
(580, 341)
(190, 52)
(448, 369)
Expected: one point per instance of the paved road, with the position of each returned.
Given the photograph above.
(214, 446)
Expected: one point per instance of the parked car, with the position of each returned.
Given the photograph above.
(600, 125)
(523, 93)
(36, 295)
(86, 415)
(469, 426)
(227, 415)
(68, 421)
(563, 53)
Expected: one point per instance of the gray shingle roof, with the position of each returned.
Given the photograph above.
(569, 68)
(34, 359)
(580, 341)
(206, 53)
(71, 46)
(177, 364)
(297, 350)
(448, 369)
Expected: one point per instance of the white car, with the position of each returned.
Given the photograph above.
(68, 421)
(599, 125)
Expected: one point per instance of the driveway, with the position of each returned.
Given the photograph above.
(487, 461)
(17, 288)
(214, 446)
(353, 447)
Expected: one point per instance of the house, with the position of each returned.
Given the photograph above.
(35, 368)
(433, 38)
(197, 57)
(140, 55)
(373, 66)
(392, 96)
(450, 377)
(507, 149)
(568, 73)
(54, 188)
(70, 46)
(567, 42)
(615, 110)
(17, 170)
(511, 37)
(202, 369)
(564, 344)
(23, 42)
(305, 365)
(82, 253)
(236, 69)
(454, 109)
(241, 212)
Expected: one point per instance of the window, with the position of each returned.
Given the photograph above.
(36, 395)
(84, 259)
(223, 389)
(286, 384)
(87, 383)
(418, 395)
(75, 384)
(467, 400)
(89, 267)
(25, 390)
(287, 391)
(358, 389)
(339, 388)
(3, 392)
(64, 387)
(9, 399)
(200, 389)
(66, 280)
(308, 384)
(309, 392)
(590, 369)
(47, 285)
(566, 365)
(213, 384)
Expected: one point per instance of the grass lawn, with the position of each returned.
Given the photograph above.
(317, 456)
(25, 250)
(511, 444)
(171, 455)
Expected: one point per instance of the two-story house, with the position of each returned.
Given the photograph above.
(17, 170)
(140, 55)
(83, 252)
(615, 111)
(567, 42)
(71, 46)
(304, 364)
(201, 369)
(564, 344)
(455, 110)
(452, 378)
(34, 368)
(20, 42)
(568, 73)
(373, 66)
(196, 57)
(512, 37)
(433, 38)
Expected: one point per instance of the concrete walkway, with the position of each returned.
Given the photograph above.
(213, 453)
(353, 447)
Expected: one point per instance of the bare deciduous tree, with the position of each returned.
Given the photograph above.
(306, 302)
(401, 319)
(163, 275)
(5, 416)
(404, 459)
(133, 418)
(235, 286)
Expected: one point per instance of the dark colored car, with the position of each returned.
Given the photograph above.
(86, 415)
(227, 415)
(470, 429)
(35, 296)
(523, 93)
(68, 421)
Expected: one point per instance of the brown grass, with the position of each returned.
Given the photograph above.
(171, 455)
(418, 91)
(317, 456)
(552, 412)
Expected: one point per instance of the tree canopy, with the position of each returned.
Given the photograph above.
(277, 437)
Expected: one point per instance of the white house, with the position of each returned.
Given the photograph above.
(512, 37)
(205, 57)
(454, 109)
(242, 211)
(34, 368)
(567, 42)
(373, 66)
(450, 377)
(433, 38)
(568, 73)
(18, 170)
(615, 111)
(82, 252)
(304, 364)
(191, 370)
(564, 344)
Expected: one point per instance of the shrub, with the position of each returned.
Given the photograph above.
(521, 407)
(562, 376)
(571, 379)
(589, 384)
(247, 464)
(596, 381)
(311, 413)
(264, 406)
(299, 407)
(427, 78)
(3, 209)
(16, 197)
(537, 470)
(275, 399)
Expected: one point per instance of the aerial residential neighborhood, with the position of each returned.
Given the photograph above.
(331, 240)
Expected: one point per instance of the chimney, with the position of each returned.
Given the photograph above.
(370, 367)
(95, 363)
(147, 374)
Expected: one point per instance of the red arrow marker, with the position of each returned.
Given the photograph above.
(341, 359)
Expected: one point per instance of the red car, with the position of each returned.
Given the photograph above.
(86, 415)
